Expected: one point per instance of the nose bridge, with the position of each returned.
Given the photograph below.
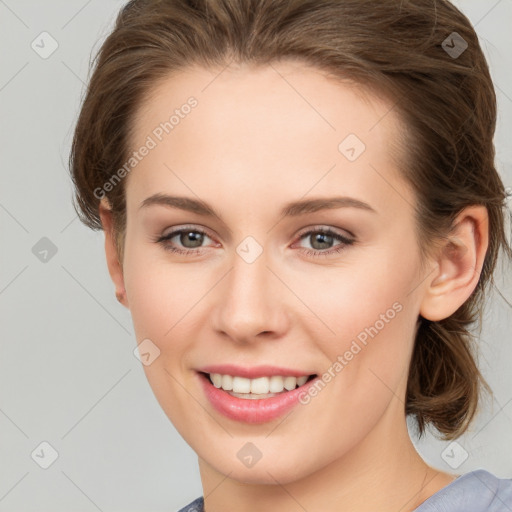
(250, 300)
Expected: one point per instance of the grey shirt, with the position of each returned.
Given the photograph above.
(477, 491)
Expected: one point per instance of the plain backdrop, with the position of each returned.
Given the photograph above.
(70, 385)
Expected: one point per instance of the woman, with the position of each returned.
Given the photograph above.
(302, 213)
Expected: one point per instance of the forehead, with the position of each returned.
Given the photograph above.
(252, 95)
(284, 124)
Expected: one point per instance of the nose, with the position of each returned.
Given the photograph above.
(250, 303)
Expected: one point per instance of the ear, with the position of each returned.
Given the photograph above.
(458, 265)
(115, 268)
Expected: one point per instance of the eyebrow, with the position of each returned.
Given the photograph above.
(293, 209)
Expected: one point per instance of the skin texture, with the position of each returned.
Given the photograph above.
(259, 138)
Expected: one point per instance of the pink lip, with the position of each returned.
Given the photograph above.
(254, 371)
(252, 411)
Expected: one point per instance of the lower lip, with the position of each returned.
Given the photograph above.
(258, 410)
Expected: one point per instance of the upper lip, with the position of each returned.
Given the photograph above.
(253, 372)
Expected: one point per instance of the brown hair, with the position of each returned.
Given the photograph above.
(446, 104)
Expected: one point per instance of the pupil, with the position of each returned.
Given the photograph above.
(323, 238)
(191, 236)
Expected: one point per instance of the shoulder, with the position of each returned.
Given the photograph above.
(195, 506)
(477, 491)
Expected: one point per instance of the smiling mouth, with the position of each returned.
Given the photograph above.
(259, 388)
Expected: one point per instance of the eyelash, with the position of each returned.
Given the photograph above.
(345, 242)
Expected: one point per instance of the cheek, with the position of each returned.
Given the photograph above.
(160, 299)
(159, 296)
(371, 316)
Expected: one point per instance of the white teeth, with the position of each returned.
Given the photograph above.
(241, 385)
(259, 386)
(302, 380)
(290, 383)
(276, 384)
(216, 379)
(227, 382)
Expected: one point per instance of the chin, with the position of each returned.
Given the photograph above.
(265, 471)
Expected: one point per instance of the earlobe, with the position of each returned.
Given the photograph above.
(114, 266)
(458, 265)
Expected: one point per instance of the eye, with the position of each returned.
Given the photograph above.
(192, 239)
(189, 237)
(322, 238)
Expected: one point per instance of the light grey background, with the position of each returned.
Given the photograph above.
(68, 375)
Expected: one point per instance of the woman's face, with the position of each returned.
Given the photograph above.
(266, 288)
